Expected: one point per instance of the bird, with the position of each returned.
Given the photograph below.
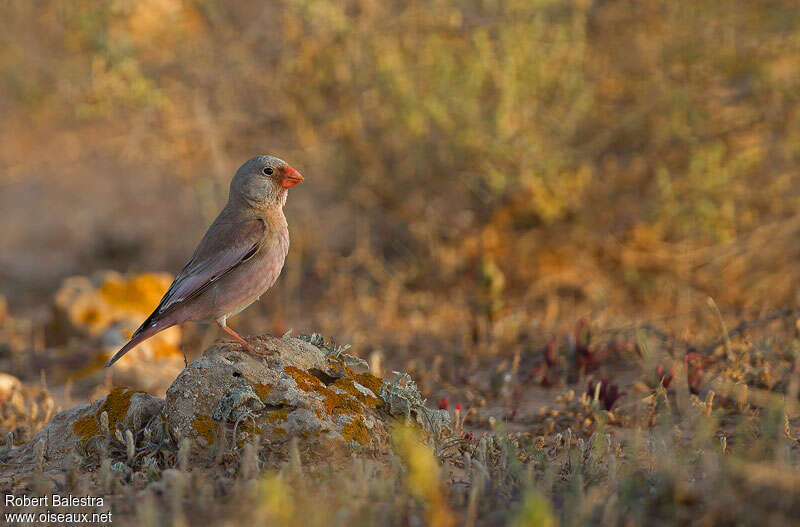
(238, 259)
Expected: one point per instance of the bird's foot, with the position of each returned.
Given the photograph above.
(238, 338)
(258, 351)
(254, 349)
(250, 348)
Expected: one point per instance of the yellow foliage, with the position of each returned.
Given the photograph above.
(535, 511)
(275, 501)
(423, 474)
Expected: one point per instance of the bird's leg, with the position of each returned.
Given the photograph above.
(233, 334)
(239, 339)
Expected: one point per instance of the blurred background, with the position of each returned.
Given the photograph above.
(479, 175)
(525, 204)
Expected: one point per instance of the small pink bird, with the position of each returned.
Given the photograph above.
(238, 259)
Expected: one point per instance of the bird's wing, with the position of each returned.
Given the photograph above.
(222, 249)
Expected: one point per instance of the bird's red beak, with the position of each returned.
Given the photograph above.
(291, 177)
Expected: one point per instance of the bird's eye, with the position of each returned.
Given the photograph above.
(267, 171)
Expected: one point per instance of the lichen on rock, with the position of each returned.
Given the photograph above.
(229, 399)
(299, 390)
(94, 316)
(70, 430)
(88, 306)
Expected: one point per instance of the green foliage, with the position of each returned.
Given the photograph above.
(404, 400)
(477, 99)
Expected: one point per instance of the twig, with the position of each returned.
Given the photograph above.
(744, 325)
(726, 338)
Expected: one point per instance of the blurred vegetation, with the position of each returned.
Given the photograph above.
(624, 135)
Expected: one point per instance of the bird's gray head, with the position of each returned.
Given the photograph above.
(263, 181)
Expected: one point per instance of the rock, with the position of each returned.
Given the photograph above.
(93, 318)
(298, 391)
(72, 429)
(221, 406)
(87, 306)
(10, 387)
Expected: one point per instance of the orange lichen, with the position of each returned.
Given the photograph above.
(115, 405)
(279, 431)
(305, 381)
(262, 390)
(340, 362)
(356, 431)
(369, 381)
(86, 427)
(205, 427)
(347, 384)
(249, 427)
(277, 416)
(334, 403)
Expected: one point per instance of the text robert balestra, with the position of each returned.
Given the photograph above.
(53, 500)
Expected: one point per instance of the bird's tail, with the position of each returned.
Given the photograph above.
(140, 335)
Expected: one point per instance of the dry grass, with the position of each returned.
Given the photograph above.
(481, 176)
(638, 431)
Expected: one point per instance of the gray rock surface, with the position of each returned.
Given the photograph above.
(227, 398)
(299, 390)
(72, 429)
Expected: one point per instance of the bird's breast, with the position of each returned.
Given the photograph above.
(255, 276)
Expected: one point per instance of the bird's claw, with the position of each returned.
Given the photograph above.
(257, 351)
